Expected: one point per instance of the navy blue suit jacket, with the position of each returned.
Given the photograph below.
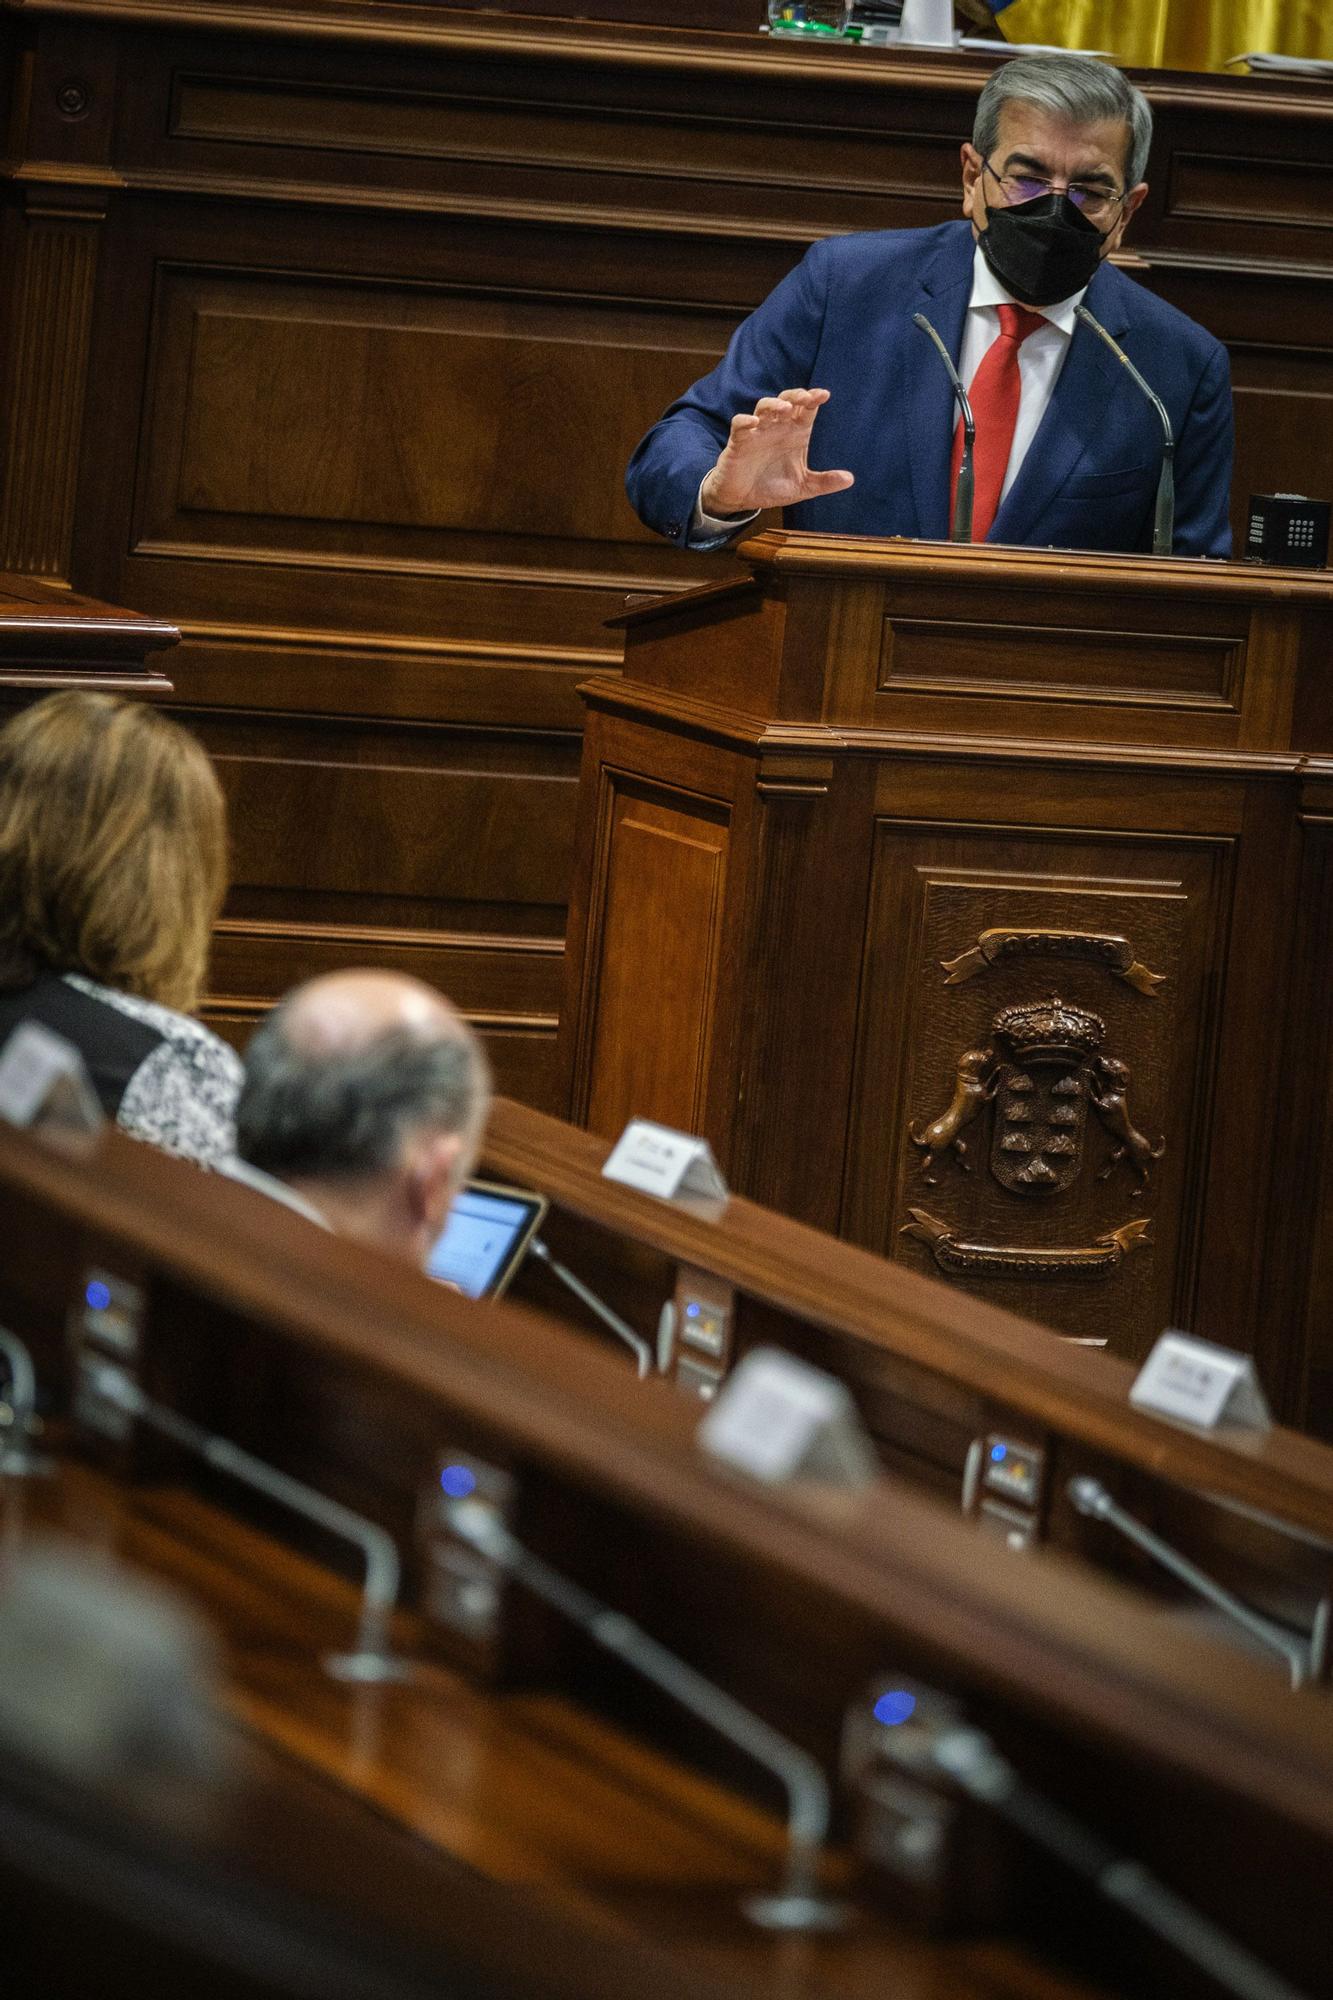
(842, 321)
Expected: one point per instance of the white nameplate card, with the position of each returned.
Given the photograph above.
(658, 1161)
(777, 1418)
(1197, 1383)
(42, 1072)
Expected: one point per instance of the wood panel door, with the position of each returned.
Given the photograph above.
(1039, 1028)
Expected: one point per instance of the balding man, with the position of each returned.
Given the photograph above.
(363, 1105)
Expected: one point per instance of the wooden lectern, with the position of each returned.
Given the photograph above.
(974, 903)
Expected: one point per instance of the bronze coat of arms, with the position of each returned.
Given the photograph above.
(1043, 1085)
(1044, 1071)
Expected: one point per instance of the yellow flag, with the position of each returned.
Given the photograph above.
(1173, 34)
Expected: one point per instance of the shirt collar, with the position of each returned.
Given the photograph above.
(988, 291)
(237, 1169)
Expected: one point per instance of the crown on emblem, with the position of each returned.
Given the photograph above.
(1052, 1027)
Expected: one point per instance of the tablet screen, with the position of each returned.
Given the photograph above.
(482, 1243)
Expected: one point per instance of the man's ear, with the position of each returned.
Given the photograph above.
(971, 174)
(433, 1178)
(1132, 201)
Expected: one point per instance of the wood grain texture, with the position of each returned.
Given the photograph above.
(658, 950)
(352, 1372)
(887, 1324)
(53, 638)
(384, 295)
(46, 383)
(932, 896)
(922, 832)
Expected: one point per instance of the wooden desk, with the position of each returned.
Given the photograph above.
(354, 1374)
(935, 1375)
(513, 1832)
(888, 834)
(52, 638)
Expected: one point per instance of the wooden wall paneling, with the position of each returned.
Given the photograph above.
(44, 384)
(1292, 1049)
(497, 117)
(1234, 1294)
(1236, 233)
(437, 851)
(813, 821)
(1275, 323)
(232, 533)
(382, 303)
(932, 1044)
(447, 420)
(61, 129)
(658, 996)
(666, 878)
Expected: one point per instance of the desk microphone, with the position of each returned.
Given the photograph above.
(642, 1352)
(373, 1659)
(1165, 519)
(962, 510)
(1305, 1662)
(799, 1904)
(934, 1735)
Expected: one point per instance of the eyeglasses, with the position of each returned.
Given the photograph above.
(1094, 202)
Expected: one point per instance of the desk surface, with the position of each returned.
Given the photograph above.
(885, 1313)
(418, 1790)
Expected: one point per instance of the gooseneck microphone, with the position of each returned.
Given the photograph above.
(799, 1903)
(373, 1659)
(642, 1352)
(1165, 519)
(1305, 1662)
(962, 511)
(937, 1735)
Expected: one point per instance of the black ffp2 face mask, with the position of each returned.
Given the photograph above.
(1041, 250)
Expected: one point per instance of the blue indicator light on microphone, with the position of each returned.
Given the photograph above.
(98, 1295)
(692, 1310)
(894, 1707)
(999, 1452)
(458, 1482)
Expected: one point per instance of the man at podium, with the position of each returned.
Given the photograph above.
(1069, 448)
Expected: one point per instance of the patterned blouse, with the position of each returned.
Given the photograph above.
(163, 1077)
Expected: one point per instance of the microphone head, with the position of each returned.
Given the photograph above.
(1090, 1497)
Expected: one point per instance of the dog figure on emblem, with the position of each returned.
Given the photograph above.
(1112, 1106)
(974, 1085)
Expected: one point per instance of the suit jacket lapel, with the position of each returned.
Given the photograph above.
(943, 293)
(1075, 415)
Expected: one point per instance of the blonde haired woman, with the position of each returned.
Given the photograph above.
(113, 864)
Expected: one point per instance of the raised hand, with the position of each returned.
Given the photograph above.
(764, 462)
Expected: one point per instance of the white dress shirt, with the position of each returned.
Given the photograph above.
(1040, 359)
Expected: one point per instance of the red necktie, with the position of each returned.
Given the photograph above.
(994, 397)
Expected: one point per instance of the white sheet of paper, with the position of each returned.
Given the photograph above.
(33, 1062)
(1259, 61)
(778, 1418)
(658, 1161)
(1194, 1382)
(769, 1413)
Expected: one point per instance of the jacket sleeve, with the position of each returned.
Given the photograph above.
(772, 350)
(1203, 465)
